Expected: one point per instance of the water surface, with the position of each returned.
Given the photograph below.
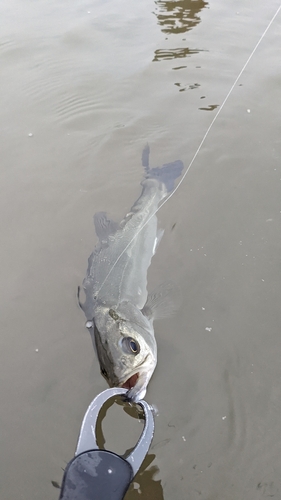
(83, 87)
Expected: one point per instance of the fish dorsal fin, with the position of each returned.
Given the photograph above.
(104, 227)
(163, 302)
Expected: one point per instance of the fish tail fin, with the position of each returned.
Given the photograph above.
(167, 174)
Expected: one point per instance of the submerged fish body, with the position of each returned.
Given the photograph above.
(118, 308)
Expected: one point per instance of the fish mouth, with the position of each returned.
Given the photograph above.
(131, 382)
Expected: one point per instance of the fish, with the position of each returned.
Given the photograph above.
(117, 306)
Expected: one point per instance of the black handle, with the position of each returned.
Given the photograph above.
(96, 475)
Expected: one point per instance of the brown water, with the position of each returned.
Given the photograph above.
(93, 82)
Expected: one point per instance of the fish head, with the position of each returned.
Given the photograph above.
(126, 348)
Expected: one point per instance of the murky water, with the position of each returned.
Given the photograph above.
(84, 86)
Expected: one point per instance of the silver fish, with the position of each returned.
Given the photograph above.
(118, 309)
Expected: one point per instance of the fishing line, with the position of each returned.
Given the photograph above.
(200, 145)
(217, 113)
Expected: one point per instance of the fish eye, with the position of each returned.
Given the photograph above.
(130, 346)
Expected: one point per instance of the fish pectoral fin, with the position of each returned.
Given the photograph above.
(104, 227)
(78, 297)
(163, 302)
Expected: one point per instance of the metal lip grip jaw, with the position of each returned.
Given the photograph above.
(96, 474)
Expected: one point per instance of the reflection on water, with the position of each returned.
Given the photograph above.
(145, 485)
(211, 107)
(175, 53)
(178, 16)
(183, 87)
(174, 18)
